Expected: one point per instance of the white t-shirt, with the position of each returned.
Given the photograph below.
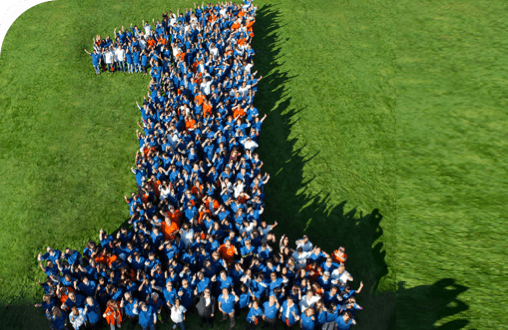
(108, 57)
(305, 246)
(344, 277)
(306, 303)
(187, 236)
(120, 54)
(205, 87)
(148, 28)
(177, 313)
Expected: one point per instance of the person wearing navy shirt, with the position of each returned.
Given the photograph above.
(92, 312)
(128, 304)
(48, 302)
(59, 319)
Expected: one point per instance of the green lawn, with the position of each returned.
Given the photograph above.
(377, 110)
(452, 158)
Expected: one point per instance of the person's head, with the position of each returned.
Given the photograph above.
(347, 316)
(143, 307)
(56, 312)
(207, 292)
(309, 294)
(155, 295)
(72, 296)
(169, 286)
(89, 300)
(290, 301)
(185, 283)
(74, 310)
(326, 275)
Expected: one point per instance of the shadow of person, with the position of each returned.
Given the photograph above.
(423, 306)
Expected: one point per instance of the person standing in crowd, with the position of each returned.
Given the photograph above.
(206, 306)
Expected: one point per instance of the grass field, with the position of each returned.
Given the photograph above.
(452, 158)
(377, 110)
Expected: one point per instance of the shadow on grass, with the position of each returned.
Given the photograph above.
(297, 212)
(422, 306)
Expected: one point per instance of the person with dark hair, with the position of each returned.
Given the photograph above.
(206, 306)
(344, 321)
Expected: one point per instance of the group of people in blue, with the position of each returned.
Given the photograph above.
(197, 243)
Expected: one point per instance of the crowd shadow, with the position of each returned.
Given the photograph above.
(299, 212)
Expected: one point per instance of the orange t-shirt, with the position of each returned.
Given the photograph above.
(170, 231)
(338, 257)
(235, 26)
(189, 125)
(238, 112)
(207, 110)
(250, 26)
(200, 99)
(175, 217)
(111, 318)
(227, 254)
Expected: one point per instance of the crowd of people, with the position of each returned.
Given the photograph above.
(198, 243)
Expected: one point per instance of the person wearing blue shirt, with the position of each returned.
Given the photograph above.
(270, 309)
(47, 305)
(147, 316)
(92, 312)
(59, 319)
(227, 306)
(128, 304)
(185, 294)
(96, 61)
(308, 320)
(254, 316)
(289, 312)
(344, 321)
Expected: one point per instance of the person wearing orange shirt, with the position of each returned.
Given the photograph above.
(339, 256)
(227, 252)
(169, 228)
(113, 314)
(238, 112)
(174, 214)
(200, 98)
(207, 109)
(211, 204)
(190, 123)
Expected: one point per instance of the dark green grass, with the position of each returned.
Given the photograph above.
(68, 137)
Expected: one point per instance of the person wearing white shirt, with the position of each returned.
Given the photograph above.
(142, 42)
(249, 144)
(108, 59)
(341, 275)
(147, 27)
(300, 257)
(120, 57)
(186, 235)
(205, 86)
(77, 317)
(177, 314)
(308, 301)
(304, 243)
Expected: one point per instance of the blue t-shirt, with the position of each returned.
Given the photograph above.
(228, 306)
(270, 311)
(254, 315)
